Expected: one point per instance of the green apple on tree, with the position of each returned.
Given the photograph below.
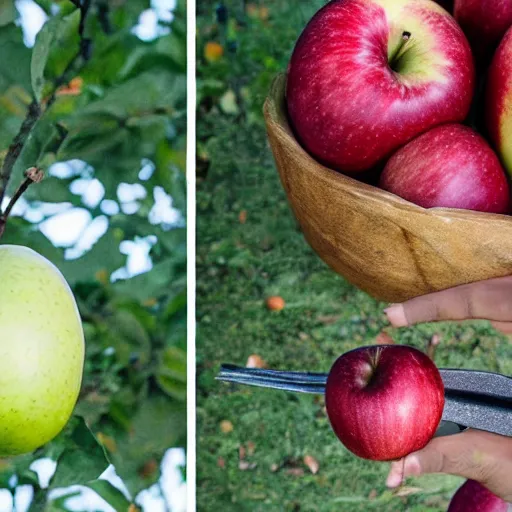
(41, 350)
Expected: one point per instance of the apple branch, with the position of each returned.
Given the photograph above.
(32, 175)
(34, 113)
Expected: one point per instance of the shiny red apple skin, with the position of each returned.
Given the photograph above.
(484, 22)
(349, 109)
(499, 101)
(472, 496)
(450, 166)
(384, 401)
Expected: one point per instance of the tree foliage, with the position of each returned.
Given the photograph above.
(113, 107)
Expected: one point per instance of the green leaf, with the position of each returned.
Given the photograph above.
(52, 190)
(103, 257)
(83, 458)
(49, 36)
(172, 373)
(158, 424)
(112, 495)
(7, 12)
(128, 337)
(150, 285)
(15, 62)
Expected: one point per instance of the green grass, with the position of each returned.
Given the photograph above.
(239, 265)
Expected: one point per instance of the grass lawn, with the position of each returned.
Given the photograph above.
(248, 248)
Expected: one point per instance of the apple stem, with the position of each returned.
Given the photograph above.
(397, 54)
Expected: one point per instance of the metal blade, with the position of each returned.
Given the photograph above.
(475, 399)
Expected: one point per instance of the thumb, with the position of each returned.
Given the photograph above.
(473, 454)
(489, 300)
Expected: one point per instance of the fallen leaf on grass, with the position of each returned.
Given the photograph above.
(328, 319)
(243, 465)
(226, 426)
(275, 303)
(255, 361)
(407, 491)
(213, 51)
(251, 447)
(295, 471)
(383, 338)
(373, 494)
(242, 217)
(312, 464)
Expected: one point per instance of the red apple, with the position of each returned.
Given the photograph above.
(384, 401)
(484, 22)
(473, 496)
(499, 101)
(366, 76)
(450, 166)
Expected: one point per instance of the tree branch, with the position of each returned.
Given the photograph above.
(32, 175)
(34, 113)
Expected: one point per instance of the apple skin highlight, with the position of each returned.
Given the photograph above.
(384, 401)
(450, 166)
(366, 76)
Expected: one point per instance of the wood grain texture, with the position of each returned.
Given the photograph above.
(384, 245)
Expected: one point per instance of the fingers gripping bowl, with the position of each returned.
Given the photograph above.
(382, 244)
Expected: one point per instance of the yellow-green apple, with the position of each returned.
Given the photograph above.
(366, 76)
(41, 350)
(449, 166)
(499, 101)
(384, 401)
(484, 22)
(472, 496)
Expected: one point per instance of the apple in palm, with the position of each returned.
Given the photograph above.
(366, 76)
(499, 101)
(384, 401)
(484, 22)
(450, 166)
(474, 496)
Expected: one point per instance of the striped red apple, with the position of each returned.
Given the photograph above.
(472, 496)
(450, 166)
(384, 401)
(367, 76)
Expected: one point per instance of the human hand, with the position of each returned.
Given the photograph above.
(473, 454)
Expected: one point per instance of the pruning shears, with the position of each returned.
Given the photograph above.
(473, 399)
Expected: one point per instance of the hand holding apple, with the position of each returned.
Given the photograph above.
(384, 401)
(473, 454)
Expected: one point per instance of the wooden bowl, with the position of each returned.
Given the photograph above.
(384, 245)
